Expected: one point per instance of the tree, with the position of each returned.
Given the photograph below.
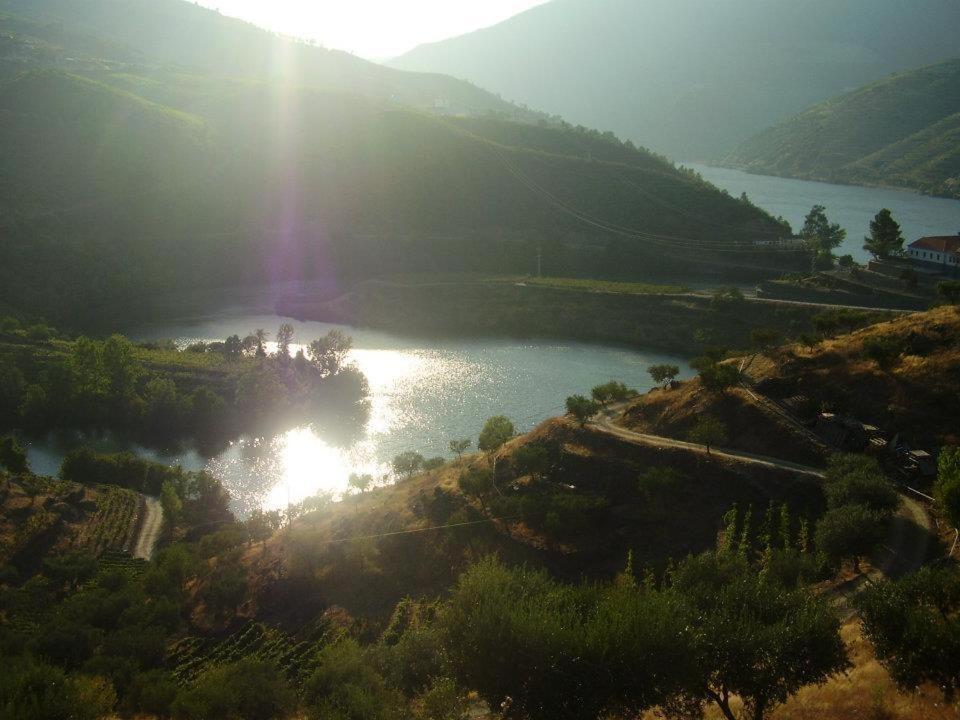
(233, 347)
(663, 374)
(284, 339)
(850, 532)
(914, 626)
(329, 353)
(717, 377)
(408, 464)
(754, 639)
(260, 336)
(120, 366)
(533, 460)
(589, 651)
(949, 290)
(362, 482)
(496, 431)
(947, 488)
(34, 690)
(821, 236)
(250, 689)
(344, 686)
(476, 483)
(459, 447)
(709, 432)
(612, 391)
(582, 408)
(171, 503)
(885, 239)
(12, 456)
(883, 350)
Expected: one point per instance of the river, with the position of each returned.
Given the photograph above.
(852, 206)
(423, 394)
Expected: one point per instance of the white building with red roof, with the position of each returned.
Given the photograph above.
(937, 253)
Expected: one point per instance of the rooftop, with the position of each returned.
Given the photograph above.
(940, 243)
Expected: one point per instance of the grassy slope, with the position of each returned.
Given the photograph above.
(899, 131)
(916, 396)
(369, 575)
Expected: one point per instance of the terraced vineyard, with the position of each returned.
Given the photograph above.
(120, 561)
(191, 656)
(113, 525)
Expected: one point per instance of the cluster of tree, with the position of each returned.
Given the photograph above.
(822, 237)
(116, 385)
(860, 501)
(715, 375)
(583, 408)
(193, 498)
(711, 629)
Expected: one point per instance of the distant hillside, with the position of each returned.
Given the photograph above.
(113, 34)
(108, 196)
(903, 131)
(693, 78)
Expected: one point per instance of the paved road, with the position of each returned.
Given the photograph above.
(605, 423)
(149, 528)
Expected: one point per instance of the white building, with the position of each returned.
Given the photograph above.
(936, 253)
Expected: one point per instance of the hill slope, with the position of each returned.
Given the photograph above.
(900, 131)
(692, 79)
(109, 196)
(179, 34)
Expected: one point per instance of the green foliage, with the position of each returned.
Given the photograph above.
(612, 391)
(12, 456)
(246, 690)
(582, 408)
(346, 687)
(329, 353)
(914, 626)
(708, 431)
(850, 532)
(859, 480)
(947, 487)
(476, 483)
(31, 690)
(587, 650)
(949, 290)
(496, 431)
(362, 482)
(884, 350)
(533, 460)
(434, 463)
(663, 374)
(459, 447)
(820, 234)
(407, 464)
(885, 239)
(755, 638)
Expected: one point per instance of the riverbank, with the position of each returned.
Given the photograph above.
(667, 321)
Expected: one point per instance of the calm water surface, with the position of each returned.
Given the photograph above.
(423, 394)
(851, 206)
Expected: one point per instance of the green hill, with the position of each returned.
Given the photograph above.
(902, 131)
(127, 177)
(692, 78)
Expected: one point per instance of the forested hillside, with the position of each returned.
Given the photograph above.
(124, 178)
(904, 131)
(692, 78)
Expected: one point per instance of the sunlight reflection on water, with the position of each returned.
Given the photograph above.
(422, 394)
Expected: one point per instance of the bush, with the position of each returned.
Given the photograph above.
(247, 690)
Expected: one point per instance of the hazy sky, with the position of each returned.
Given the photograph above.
(374, 29)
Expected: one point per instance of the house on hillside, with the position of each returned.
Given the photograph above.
(936, 254)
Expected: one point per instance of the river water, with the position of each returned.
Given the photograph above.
(852, 206)
(423, 394)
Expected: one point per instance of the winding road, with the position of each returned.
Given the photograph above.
(149, 528)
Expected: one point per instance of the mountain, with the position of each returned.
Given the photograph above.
(165, 181)
(903, 131)
(693, 78)
(99, 35)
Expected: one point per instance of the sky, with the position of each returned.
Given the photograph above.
(373, 29)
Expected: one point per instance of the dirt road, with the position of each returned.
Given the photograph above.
(149, 528)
